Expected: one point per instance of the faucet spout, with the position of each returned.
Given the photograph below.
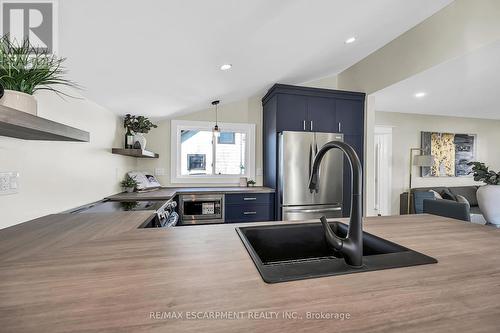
(352, 245)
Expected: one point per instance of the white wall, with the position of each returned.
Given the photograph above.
(406, 135)
(56, 176)
(158, 140)
(461, 27)
(244, 111)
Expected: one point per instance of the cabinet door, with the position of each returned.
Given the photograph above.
(292, 113)
(321, 115)
(249, 213)
(249, 198)
(350, 116)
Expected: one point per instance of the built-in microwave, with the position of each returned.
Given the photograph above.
(201, 208)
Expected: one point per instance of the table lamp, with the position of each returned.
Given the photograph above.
(420, 161)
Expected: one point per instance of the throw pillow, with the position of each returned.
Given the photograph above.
(469, 192)
(446, 194)
(436, 195)
(462, 199)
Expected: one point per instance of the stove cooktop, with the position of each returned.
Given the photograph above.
(122, 206)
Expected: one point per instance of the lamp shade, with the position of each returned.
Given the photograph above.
(216, 131)
(423, 160)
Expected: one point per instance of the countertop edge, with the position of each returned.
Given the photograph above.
(166, 193)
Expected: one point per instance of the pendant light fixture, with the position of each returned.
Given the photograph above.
(216, 130)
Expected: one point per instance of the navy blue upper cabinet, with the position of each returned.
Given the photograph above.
(315, 110)
(291, 113)
(350, 116)
(321, 116)
(304, 113)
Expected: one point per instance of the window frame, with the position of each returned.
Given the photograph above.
(177, 126)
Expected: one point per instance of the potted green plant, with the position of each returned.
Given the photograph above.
(138, 126)
(129, 184)
(24, 70)
(488, 196)
(251, 183)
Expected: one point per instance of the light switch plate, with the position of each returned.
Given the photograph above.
(259, 172)
(9, 182)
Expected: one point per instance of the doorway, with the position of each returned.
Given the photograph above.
(383, 170)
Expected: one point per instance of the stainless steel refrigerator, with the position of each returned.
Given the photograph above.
(296, 155)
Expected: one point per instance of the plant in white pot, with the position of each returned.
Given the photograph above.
(25, 69)
(488, 196)
(128, 184)
(138, 125)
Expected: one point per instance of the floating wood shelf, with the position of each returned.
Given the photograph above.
(135, 153)
(22, 125)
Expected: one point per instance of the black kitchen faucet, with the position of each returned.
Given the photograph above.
(352, 245)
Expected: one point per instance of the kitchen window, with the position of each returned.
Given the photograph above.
(199, 157)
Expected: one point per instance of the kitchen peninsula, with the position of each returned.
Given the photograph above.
(100, 273)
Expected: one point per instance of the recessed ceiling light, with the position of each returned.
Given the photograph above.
(350, 40)
(420, 94)
(225, 67)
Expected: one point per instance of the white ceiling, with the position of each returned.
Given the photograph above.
(467, 86)
(161, 58)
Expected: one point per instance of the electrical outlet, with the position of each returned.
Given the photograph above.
(159, 172)
(9, 183)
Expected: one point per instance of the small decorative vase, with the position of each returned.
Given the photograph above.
(129, 139)
(139, 137)
(243, 181)
(488, 198)
(19, 101)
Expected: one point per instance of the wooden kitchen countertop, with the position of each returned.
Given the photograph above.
(165, 193)
(91, 273)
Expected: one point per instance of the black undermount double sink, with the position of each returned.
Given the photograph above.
(300, 251)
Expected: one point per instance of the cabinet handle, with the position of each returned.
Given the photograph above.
(311, 125)
(304, 125)
(340, 127)
(249, 213)
(249, 199)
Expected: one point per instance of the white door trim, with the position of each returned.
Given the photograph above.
(383, 170)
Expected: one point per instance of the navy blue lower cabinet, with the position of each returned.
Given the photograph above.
(249, 198)
(255, 207)
(249, 213)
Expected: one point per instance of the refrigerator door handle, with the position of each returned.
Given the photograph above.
(310, 159)
(314, 152)
(320, 210)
